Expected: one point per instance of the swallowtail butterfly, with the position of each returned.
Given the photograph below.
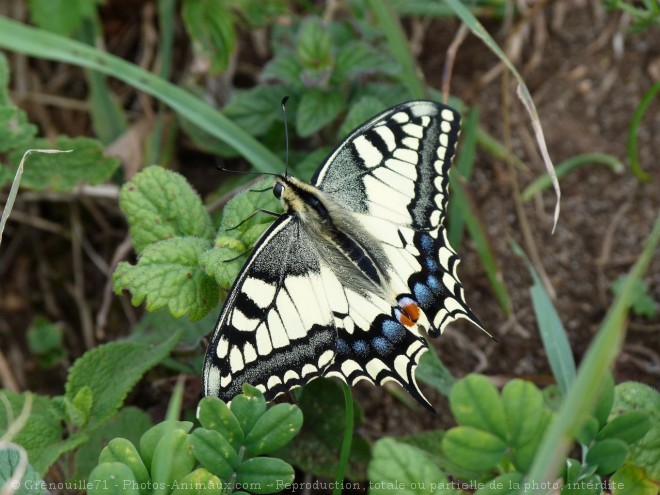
(350, 279)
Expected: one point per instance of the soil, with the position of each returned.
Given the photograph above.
(586, 74)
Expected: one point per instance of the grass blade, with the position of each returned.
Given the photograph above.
(633, 130)
(38, 43)
(600, 356)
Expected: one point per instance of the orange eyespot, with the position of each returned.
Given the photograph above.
(412, 310)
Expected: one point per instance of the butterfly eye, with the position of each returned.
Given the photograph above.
(277, 190)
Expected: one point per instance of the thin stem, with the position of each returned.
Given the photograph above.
(348, 439)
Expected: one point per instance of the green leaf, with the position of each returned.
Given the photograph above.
(199, 482)
(168, 274)
(472, 448)
(160, 204)
(45, 340)
(112, 478)
(256, 110)
(609, 455)
(214, 452)
(632, 480)
(643, 304)
(42, 434)
(210, 25)
(505, 484)
(362, 110)
(572, 470)
(400, 468)
(285, 68)
(173, 458)
(357, 59)
(152, 436)
(83, 401)
(123, 450)
(62, 172)
(606, 399)
(523, 455)
(317, 109)
(264, 475)
(272, 431)
(523, 404)
(584, 485)
(129, 423)
(629, 427)
(29, 484)
(589, 431)
(15, 130)
(306, 167)
(474, 401)
(111, 370)
(314, 44)
(248, 407)
(214, 414)
(633, 396)
(61, 16)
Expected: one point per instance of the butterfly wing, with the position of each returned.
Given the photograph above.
(392, 173)
(276, 330)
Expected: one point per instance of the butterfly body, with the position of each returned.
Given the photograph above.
(349, 280)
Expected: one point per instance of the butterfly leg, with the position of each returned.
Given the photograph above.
(260, 210)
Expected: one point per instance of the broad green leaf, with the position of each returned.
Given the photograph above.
(214, 452)
(123, 450)
(523, 404)
(475, 402)
(29, 484)
(314, 44)
(248, 407)
(199, 482)
(4, 80)
(264, 475)
(15, 130)
(62, 16)
(632, 480)
(609, 455)
(505, 484)
(523, 455)
(358, 58)
(149, 441)
(112, 478)
(225, 260)
(307, 166)
(432, 371)
(256, 110)
(629, 427)
(160, 204)
(173, 458)
(62, 172)
(317, 109)
(45, 340)
(606, 399)
(111, 370)
(277, 427)
(316, 448)
(129, 422)
(472, 448)
(168, 274)
(400, 468)
(210, 25)
(589, 431)
(284, 68)
(214, 414)
(42, 434)
(633, 396)
(572, 470)
(362, 110)
(159, 325)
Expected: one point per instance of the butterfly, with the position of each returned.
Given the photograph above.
(351, 278)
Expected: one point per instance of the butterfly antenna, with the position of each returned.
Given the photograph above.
(286, 137)
(249, 172)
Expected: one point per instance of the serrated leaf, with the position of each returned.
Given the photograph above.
(223, 264)
(505, 484)
(111, 370)
(215, 415)
(633, 396)
(314, 44)
(83, 401)
(168, 274)
(523, 403)
(63, 171)
(199, 482)
(160, 204)
(15, 130)
(256, 110)
(475, 402)
(29, 484)
(642, 303)
(274, 429)
(264, 475)
(248, 407)
(112, 478)
(472, 448)
(210, 25)
(358, 59)
(214, 452)
(609, 455)
(149, 441)
(173, 458)
(42, 434)
(317, 109)
(629, 427)
(362, 110)
(62, 16)
(285, 68)
(632, 480)
(123, 450)
(400, 468)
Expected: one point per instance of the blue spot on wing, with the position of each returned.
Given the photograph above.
(360, 347)
(423, 294)
(382, 346)
(393, 330)
(342, 347)
(426, 241)
(431, 264)
(434, 284)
